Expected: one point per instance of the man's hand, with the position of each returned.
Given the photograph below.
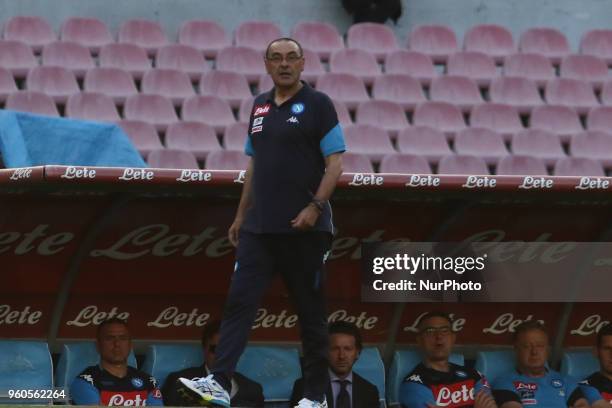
(233, 231)
(307, 218)
(484, 400)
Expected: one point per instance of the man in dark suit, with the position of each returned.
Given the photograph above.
(245, 392)
(346, 389)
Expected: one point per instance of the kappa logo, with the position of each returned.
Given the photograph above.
(88, 378)
(262, 110)
(293, 119)
(415, 378)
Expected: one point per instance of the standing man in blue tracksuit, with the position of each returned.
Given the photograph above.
(283, 223)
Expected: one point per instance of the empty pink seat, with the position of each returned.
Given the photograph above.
(231, 86)
(322, 38)
(484, 143)
(129, 57)
(387, 115)
(404, 164)
(86, 31)
(356, 62)
(142, 134)
(69, 55)
(439, 115)
(7, 84)
(184, 58)
(521, 165)
(606, 93)
(154, 109)
(560, 120)
(538, 143)
(196, 137)
(399, 88)
(227, 160)
(235, 136)
(172, 159)
(371, 141)
(356, 163)
(600, 118)
(246, 106)
(545, 41)
(588, 68)
(34, 31)
(436, 41)
(92, 106)
(33, 102)
(462, 164)
(501, 118)
(535, 67)
(57, 82)
(593, 144)
(574, 93)
(491, 39)
(265, 83)
(171, 83)
(578, 167)
(521, 93)
(460, 91)
(413, 63)
(423, 141)
(17, 57)
(144, 33)
(346, 88)
(313, 68)
(208, 109)
(598, 43)
(244, 60)
(474, 65)
(344, 117)
(205, 35)
(256, 34)
(114, 82)
(375, 38)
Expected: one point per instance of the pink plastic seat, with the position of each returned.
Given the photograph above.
(33, 102)
(246, 106)
(474, 65)
(574, 93)
(399, 88)
(17, 57)
(7, 84)
(536, 67)
(69, 55)
(170, 83)
(521, 93)
(144, 33)
(346, 88)
(597, 43)
(404, 164)
(114, 82)
(36, 32)
(371, 141)
(436, 41)
(600, 118)
(235, 136)
(198, 138)
(172, 159)
(205, 35)
(344, 117)
(460, 91)
(154, 109)
(538, 143)
(587, 68)
(494, 40)
(423, 141)
(142, 134)
(86, 31)
(375, 38)
(357, 62)
(593, 144)
(256, 34)
(578, 167)
(184, 58)
(265, 83)
(546, 41)
(227, 160)
(462, 164)
(521, 165)
(606, 93)
(322, 38)
(57, 82)
(560, 120)
(413, 63)
(439, 115)
(208, 109)
(231, 86)
(356, 163)
(92, 106)
(484, 143)
(129, 57)
(313, 68)
(387, 115)
(243, 60)
(501, 118)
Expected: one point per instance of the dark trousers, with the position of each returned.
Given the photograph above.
(299, 260)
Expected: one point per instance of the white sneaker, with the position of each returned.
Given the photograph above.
(306, 403)
(205, 391)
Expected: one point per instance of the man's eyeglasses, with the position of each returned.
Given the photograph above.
(291, 58)
(432, 331)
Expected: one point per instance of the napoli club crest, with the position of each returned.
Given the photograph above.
(297, 108)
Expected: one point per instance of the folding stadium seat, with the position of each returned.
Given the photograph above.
(561, 120)
(600, 118)
(114, 82)
(208, 109)
(344, 117)
(369, 140)
(234, 137)
(404, 163)
(196, 137)
(163, 359)
(606, 93)
(375, 38)
(33, 102)
(413, 63)
(474, 65)
(502, 118)
(86, 31)
(423, 141)
(129, 57)
(231, 86)
(34, 31)
(385, 114)
(579, 364)
(588, 68)
(356, 163)
(154, 109)
(7, 84)
(436, 41)
(144, 33)
(593, 144)
(536, 67)
(538, 143)
(313, 68)
(92, 106)
(545, 41)
(370, 366)
(256, 34)
(243, 60)
(357, 62)
(494, 363)
(346, 88)
(521, 93)
(439, 115)
(598, 43)
(69, 55)
(322, 38)
(521, 165)
(184, 58)
(399, 88)
(574, 93)
(462, 164)
(171, 83)
(205, 35)
(460, 91)
(25, 365)
(244, 112)
(57, 82)
(265, 83)
(578, 167)
(172, 159)
(493, 40)
(227, 160)
(142, 134)
(484, 143)
(17, 57)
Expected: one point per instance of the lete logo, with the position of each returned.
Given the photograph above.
(262, 110)
(459, 394)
